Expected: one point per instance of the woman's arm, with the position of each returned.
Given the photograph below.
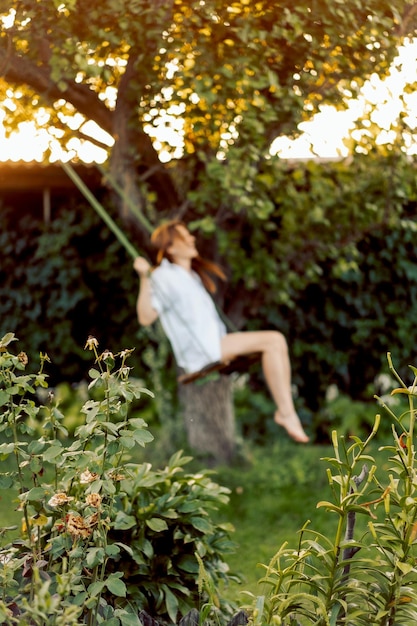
(145, 311)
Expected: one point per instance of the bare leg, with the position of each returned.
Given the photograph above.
(277, 371)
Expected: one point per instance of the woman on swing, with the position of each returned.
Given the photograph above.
(177, 292)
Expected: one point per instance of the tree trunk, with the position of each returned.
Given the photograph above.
(209, 419)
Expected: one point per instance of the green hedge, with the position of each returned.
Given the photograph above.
(70, 276)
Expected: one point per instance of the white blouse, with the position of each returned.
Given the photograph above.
(188, 316)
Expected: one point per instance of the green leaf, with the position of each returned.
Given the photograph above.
(35, 465)
(405, 568)
(36, 446)
(94, 556)
(330, 506)
(113, 550)
(127, 442)
(35, 494)
(116, 586)
(124, 521)
(142, 437)
(127, 619)
(189, 506)
(96, 588)
(171, 604)
(52, 453)
(188, 563)
(117, 546)
(7, 339)
(6, 448)
(201, 524)
(80, 598)
(157, 524)
(6, 481)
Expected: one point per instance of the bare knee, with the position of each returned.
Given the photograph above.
(276, 341)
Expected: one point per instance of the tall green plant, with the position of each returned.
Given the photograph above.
(349, 579)
(101, 538)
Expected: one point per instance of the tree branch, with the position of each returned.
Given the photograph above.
(19, 71)
(127, 163)
(406, 27)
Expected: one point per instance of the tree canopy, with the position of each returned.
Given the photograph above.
(226, 77)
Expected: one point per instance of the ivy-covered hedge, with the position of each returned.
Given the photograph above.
(345, 324)
(71, 276)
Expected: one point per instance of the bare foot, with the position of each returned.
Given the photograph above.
(293, 427)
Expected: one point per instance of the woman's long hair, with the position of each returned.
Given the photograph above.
(163, 238)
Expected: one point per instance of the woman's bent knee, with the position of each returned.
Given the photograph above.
(276, 340)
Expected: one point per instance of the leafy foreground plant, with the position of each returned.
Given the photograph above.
(370, 580)
(101, 538)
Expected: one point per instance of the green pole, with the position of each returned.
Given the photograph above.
(100, 210)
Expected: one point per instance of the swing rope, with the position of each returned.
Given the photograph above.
(217, 366)
(126, 198)
(100, 210)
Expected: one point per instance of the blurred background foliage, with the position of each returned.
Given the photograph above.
(331, 265)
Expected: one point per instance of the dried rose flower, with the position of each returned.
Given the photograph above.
(93, 519)
(93, 499)
(23, 358)
(115, 476)
(59, 499)
(127, 352)
(77, 526)
(88, 477)
(91, 343)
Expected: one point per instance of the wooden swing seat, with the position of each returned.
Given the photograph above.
(238, 364)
